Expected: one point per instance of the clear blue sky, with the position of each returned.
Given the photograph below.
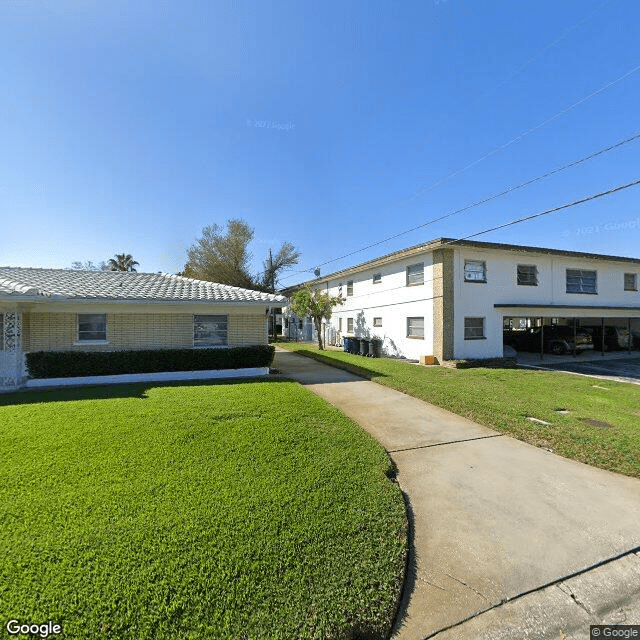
(129, 126)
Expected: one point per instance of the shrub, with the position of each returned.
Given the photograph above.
(68, 364)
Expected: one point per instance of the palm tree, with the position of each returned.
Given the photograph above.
(122, 262)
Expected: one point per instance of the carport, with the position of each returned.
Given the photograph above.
(596, 318)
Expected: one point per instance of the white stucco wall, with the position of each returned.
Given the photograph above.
(478, 299)
(393, 301)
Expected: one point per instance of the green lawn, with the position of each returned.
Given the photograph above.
(503, 399)
(250, 510)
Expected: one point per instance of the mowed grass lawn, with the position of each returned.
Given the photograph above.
(503, 399)
(250, 510)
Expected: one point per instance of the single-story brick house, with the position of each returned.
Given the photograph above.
(68, 310)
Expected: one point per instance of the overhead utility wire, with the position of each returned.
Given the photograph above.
(547, 212)
(457, 172)
(480, 202)
(537, 215)
(522, 67)
(552, 44)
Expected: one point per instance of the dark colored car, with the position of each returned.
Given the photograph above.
(614, 337)
(558, 339)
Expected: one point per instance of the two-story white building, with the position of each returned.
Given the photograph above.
(451, 298)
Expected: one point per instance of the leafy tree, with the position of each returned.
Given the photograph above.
(287, 256)
(89, 266)
(223, 256)
(317, 304)
(122, 262)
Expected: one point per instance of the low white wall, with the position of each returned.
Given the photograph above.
(171, 376)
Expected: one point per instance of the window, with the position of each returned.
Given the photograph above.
(92, 327)
(349, 325)
(349, 287)
(339, 324)
(340, 289)
(581, 281)
(630, 282)
(473, 328)
(415, 327)
(377, 278)
(415, 274)
(210, 331)
(475, 271)
(377, 322)
(528, 275)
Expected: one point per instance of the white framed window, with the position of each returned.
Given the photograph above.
(340, 289)
(210, 331)
(415, 274)
(415, 328)
(630, 281)
(527, 275)
(582, 281)
(377, 322)
(475, 271)
(349, 287)
(339, 324)
(349, 325)
(92, 327)
(474, 328)
(377, 278)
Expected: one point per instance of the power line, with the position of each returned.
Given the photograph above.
(519, 137)
(479, 98)
(478, 202)
(552, 44)
(548, 211)
(537, 215)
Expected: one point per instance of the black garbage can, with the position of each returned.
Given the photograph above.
(375, 348)
(346, 345)
(364, 347)
(355, 345)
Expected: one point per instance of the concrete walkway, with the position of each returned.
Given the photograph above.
(497, 526)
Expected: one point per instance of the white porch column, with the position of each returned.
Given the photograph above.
(11, 356)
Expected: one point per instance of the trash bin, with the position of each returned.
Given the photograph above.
(375, 348)
(355, 345)
(346, 344)
(364, 347)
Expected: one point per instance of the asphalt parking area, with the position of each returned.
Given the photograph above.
(622, 369)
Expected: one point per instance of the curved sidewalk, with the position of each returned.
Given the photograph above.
(496, 525)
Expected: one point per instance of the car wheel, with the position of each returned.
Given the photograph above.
(558, 348)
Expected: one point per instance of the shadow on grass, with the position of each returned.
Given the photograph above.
(111, 391)
(360, 369)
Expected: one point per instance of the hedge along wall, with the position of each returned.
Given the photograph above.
(57, 331)
(69, 364)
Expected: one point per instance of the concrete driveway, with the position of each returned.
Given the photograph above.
(506, 540)
(621, 369)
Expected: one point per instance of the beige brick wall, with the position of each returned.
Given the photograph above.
(150, 331)
(58, 331)
(25, 331)
(50, 331)
(245, 330)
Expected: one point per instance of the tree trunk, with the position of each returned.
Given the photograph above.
(318, 323)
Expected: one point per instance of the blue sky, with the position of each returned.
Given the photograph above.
(129, 126)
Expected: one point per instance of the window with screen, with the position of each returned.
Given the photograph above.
(415, 274)
(210, 331)
(92, 327)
